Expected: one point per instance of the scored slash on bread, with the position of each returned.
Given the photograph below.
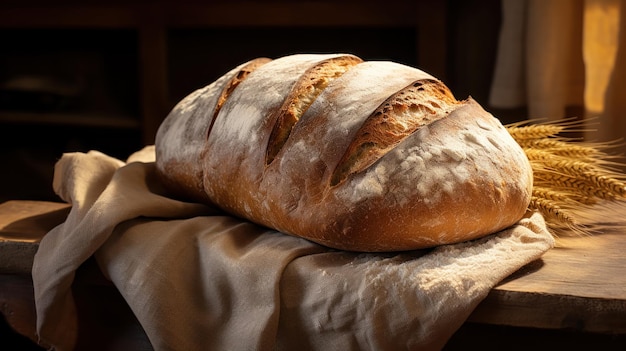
(421, 103)
(302, 95)
(243, 73)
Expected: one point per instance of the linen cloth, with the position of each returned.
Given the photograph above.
(198, 279)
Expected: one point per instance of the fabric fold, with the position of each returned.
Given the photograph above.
(198, 279)
(103, 192)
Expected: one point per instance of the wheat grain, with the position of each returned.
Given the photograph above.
(551, 210)
(539, 155)
(561, 148)
(593, 175)
(571, 166)
(607, 183)
(550, 194)
(562, 195)
(538, 131)
(564, 182)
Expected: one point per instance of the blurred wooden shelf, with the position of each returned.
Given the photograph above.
(395, 13)
(70, 119)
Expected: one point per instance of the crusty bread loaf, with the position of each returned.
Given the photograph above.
(362, 156)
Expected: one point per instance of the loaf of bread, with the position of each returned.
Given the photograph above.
(361, 156)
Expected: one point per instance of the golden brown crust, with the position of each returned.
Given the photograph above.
(451, 208)
(443, 172)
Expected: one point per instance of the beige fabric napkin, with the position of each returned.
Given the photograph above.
(200, 280)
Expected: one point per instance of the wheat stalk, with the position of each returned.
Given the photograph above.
(533, 132)
(568, 175)
(552, 211)
(561, 195)
(560, 148)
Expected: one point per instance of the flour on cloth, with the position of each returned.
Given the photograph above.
(200, 280)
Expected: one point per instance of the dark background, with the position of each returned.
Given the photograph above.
(103, 74)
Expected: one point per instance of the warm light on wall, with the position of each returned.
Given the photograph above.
(559, 54)
(600, 42)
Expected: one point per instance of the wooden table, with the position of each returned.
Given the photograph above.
(576, 291)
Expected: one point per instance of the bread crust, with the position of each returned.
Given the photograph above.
(455, 177)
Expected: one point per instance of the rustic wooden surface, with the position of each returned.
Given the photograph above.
(22, 225)
(579, 285)
(104, 326)
(29, 221)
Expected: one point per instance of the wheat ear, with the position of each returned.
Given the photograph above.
(569, 175)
